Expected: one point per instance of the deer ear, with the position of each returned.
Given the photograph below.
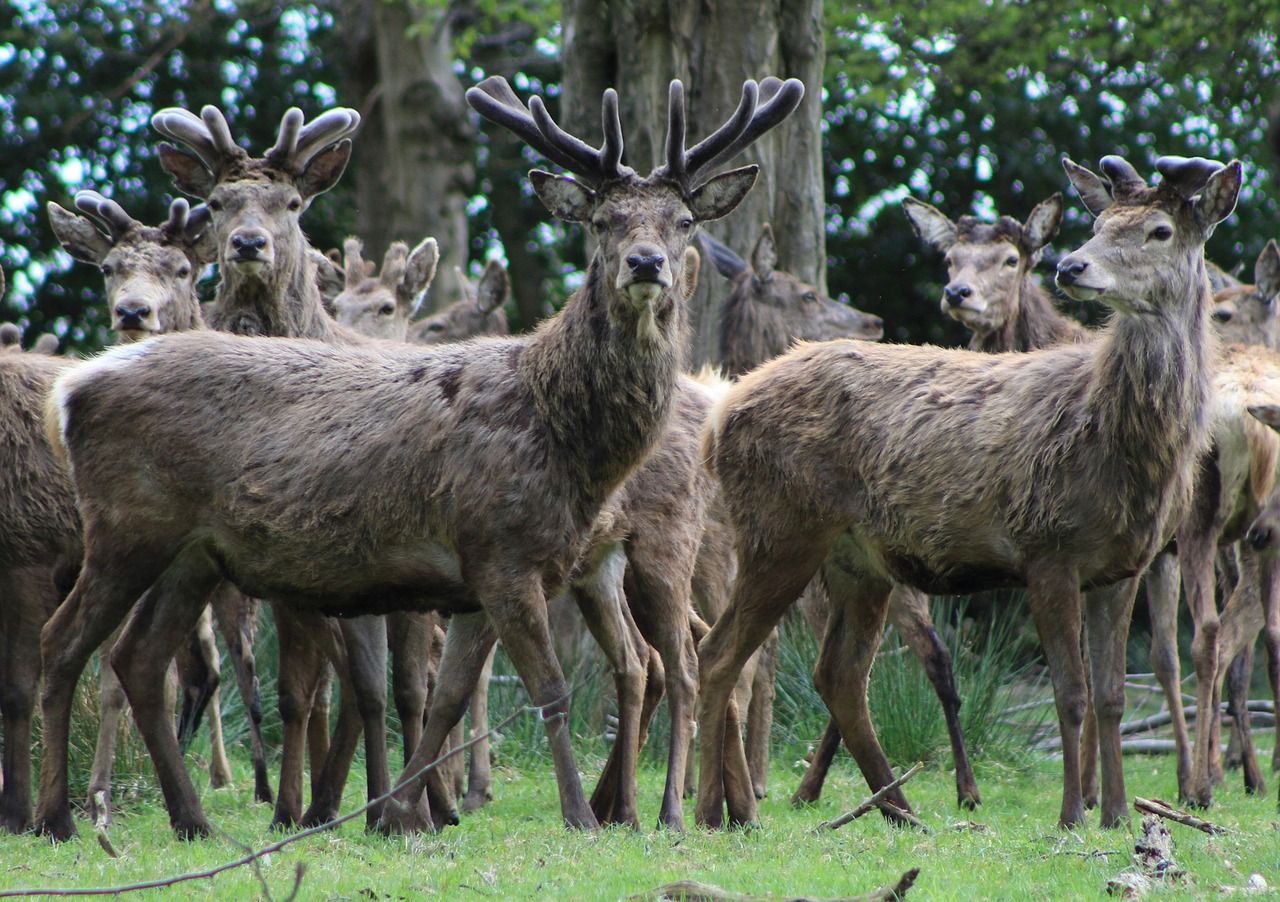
(930, 223)
(324, 169)
(689, 271)
(78, 235)
(566, 199)
(1266, 272)
(1266, 413)
(494, 287)
(330, 279)
(420, 269)
(1043, 222)
(1218, 196)
(726, 262)
(719, 196)
(1092, 190)
(765, 256)
(189, 174)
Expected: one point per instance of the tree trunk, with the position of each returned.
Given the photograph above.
(413, 160)
(638, 46)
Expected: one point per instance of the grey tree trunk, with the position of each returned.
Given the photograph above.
(413, 161)
(638, 46)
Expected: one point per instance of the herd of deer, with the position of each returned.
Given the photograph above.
(302, 440)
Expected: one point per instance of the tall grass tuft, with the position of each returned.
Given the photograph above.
(993, 669)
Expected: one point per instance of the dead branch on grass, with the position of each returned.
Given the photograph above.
(1168, 812)
(877, 800)
(693, 891)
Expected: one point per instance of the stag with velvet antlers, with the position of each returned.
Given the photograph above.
(351, 480)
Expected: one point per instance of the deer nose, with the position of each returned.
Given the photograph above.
(1070, 271)
(956, 294)
(245, 243)
(132, 311)
(1259, 537)
(646, 266)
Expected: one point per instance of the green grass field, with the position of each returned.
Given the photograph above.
(517, 849)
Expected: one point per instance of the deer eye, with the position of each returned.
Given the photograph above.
(387, 309)
(295, 204)
(685, 224)
(184, 272)
(107, 269)
(435, 327)
(1161, 233)
(809, 297)
(213, 204)
(1011, 261)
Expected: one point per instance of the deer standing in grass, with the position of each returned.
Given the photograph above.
(348, 480)
(40, 531)
(950, 471)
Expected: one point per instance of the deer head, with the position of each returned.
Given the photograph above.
(1246, 314)
(478, 312)
(150, 272)
(643, 225)
(986, 262)
(256, 203)
(378, 306)
(1147, 241)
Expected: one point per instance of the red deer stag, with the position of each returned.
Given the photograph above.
(1104, 438)
(493, 457)
(40, 533)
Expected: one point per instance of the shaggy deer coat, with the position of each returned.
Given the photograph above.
(1065, 469)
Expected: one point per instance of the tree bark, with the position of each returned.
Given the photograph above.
(413, 159)
(638, 46)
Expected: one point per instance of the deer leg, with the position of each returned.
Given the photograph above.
(1108, 612)
(365, 639)
(27, 597)
(468, 645)
(100, 601)
(760, 715)
(909, 612)
(815, 607)
(1163, 588)
(111, 706)
(409, 641)
(303, 666)
(453, 768)
(160, 623)
(1196, 547)
(769, 581)
(237, 619)
(1269, 568)
(1088, 738)
(659, 581)
(479, 758)
(859, 604)
(600, 598)
(200, 676)
(1054, 596)
(1241, 619)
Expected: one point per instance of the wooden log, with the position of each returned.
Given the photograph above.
(693, 891)
(1168, 812)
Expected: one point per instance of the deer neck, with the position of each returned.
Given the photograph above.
(284, 304)
(602, 374)
(750, 334)
(1152, 386)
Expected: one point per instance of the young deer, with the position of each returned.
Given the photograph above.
(40, 532)
(480, 310)
(349, 480)
(950, 471)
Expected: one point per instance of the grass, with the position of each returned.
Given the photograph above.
(516, 848)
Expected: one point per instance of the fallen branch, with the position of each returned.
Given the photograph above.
(873, 802)
(1168, 812)
(693, 891)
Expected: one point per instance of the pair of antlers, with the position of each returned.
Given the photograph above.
(183, 218)
(762, 107)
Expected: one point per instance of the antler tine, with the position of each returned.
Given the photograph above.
(775, 105)
(593, 166)
(216, 123)
(697, 158)
(287, 140)
(325, 130)
(1187, 175)
(676, 131)
(189, 130)
(1120, 172)
(197, 220)
(179, 210)
(352, 263)
(610, 155)
(494, 100)
(107, 212)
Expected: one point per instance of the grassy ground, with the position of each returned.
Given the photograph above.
(516, 848)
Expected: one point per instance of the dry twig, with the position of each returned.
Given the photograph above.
(693, 891)
(1168, 812)
(877, 800)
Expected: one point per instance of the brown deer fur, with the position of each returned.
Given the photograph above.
(40, 540)
(480, 310)
(461, 478)
(1066, 468)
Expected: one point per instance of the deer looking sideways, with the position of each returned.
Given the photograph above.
(1104, 437)
(364, 480)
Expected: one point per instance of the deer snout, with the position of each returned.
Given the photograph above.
(646, 267)
(956, 293)
(1070, 271)
(132, 314)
